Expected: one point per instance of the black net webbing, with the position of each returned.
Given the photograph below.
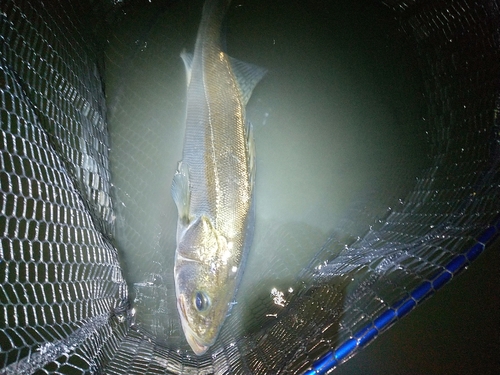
(65, 306)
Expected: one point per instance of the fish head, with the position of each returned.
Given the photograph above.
(205, 282)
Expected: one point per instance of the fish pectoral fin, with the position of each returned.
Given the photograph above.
(181, 192)
(247, 75)
(187, 58)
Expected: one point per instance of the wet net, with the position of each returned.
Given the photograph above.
(65, 305)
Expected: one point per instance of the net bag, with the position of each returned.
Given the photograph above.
(65, 306)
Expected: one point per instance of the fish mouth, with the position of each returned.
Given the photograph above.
(193, 342)
(192, 339)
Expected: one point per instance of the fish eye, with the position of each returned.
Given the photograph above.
(201, 301)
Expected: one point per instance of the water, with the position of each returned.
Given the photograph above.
(427, 341)
(338, 131)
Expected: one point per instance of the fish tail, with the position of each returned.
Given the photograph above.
(214, 12)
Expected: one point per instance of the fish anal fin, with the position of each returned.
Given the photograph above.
(247, 76)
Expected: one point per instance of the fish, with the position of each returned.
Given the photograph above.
(213, 185)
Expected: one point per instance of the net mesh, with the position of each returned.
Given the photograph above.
(65, 304)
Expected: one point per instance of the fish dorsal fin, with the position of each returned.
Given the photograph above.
(247, 76)
(181, 193)
(187, 58)
(251, 153)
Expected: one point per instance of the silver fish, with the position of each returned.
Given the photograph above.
(213, 185)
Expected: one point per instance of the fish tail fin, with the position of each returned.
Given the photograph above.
(214, 12)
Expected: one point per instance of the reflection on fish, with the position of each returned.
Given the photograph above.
(213, 185)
